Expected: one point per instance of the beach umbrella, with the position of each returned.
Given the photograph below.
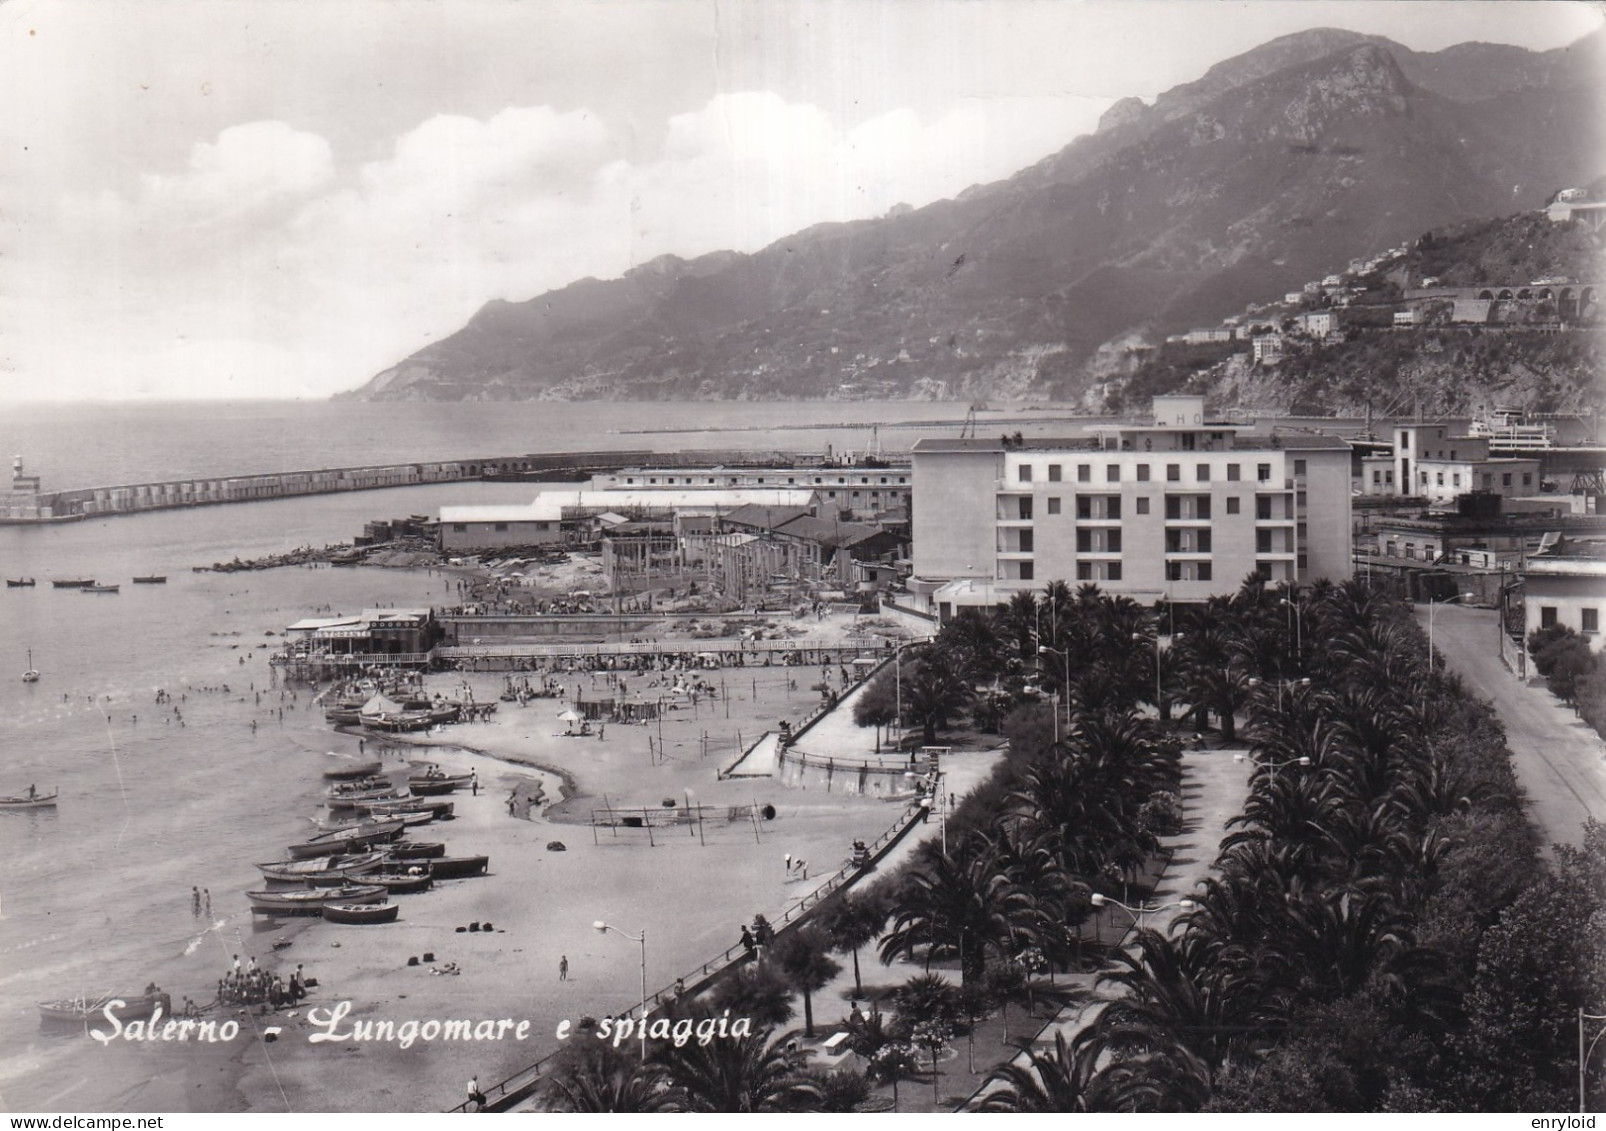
(568, 717)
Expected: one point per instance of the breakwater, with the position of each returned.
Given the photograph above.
(27, 505)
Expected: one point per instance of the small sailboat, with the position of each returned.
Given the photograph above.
(32, 674)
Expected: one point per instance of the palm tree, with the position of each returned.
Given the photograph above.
(853, 921)
(593, 1076)
(1059, 1081)
(877, 706)
(935, 691)
(738, 1074)
(964, 908)
(802, 957)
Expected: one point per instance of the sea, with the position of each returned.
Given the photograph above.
(158, 798)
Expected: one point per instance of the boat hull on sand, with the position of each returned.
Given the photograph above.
(361, 913)
(458, 867)
(311, 902)
(81, 1011)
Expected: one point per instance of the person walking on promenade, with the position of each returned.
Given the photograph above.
(563, 968)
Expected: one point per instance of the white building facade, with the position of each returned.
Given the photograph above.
(1179, 508)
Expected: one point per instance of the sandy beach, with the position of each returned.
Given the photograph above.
(690, 889)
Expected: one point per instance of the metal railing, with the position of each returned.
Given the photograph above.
(521, 1084)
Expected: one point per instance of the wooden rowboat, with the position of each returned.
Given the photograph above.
(19, 583)
(386, 809)
(356, 838)
(425, 787)
(99, 588)
(151, 579)
(458, 867)
(81, 1011)
(73, 583)
(359, 913)
(334, 867)
(400, 883)
(41, 801)
(311, 901)
(417, 850)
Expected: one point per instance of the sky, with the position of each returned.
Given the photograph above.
(281, 198)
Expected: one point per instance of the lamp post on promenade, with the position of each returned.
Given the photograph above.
(1274, 766)
(1142, 909)
(1282, 683)
(1299, 628)
(603, 928)
(1044, 649)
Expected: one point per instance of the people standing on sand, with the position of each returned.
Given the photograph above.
(473, 782)
(788, 859)
(563, 968)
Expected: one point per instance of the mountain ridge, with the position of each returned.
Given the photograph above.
(1272, 165)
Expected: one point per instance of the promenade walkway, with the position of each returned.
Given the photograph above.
(1214, 788)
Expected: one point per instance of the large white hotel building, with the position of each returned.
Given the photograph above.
(1178, 508)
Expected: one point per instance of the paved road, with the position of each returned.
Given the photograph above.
(1558, 757)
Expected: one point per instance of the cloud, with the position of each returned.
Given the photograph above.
(248, 167)
(264, 267)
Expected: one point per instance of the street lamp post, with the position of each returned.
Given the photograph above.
(1282, 683)
(1142, 908)
(1432, 604)
(1299, 628)
(1275, 766)
(1159, 690)
(1043, 649)
(603, 928)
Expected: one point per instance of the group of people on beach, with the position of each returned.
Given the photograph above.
(252, 985)
(201, 902)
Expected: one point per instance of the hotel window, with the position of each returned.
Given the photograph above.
(1262, 508)
(1299, 467)
(1173, 507)
(1142, 505)
(459, 528)
(1201, 473)
(1053, 473)
(1263, 570)
(1232, 473)
(1488, 479)
(1084, 571)
(1173, 541)
(1547, 616)
(1025, 510)
(1304, 562)
(1439, 476)
(1084, 507)
(1505, 479)
(1143, 473)
(1112, 473)
(1025, 541)
(1053, 504)
(1112, 571)
(1173, 472)
(501, 528)
(1263, 472)
(1084, 473)
(1405, 441)
(1203, 573)
(1026, 571)
(1455, 479)
(1527, 479)
(1173, 571)
(1112, 542)
(1025, 473)
(1262, 541)
(1201, 542)
(1201, 507)
(1084, 541)
(1589, 621)
(1232, 504)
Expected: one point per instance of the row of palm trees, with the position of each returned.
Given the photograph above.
(1358, 901)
